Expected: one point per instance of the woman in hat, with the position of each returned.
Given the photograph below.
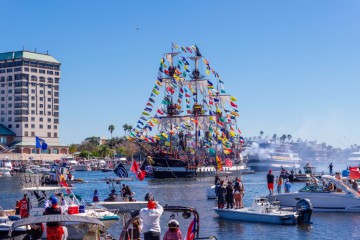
(173, 233)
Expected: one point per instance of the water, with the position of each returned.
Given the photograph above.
(192, 192)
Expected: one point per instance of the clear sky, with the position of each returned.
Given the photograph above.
(294, 66)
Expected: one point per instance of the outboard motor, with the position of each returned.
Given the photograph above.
(304, 209)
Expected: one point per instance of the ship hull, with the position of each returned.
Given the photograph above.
(267, 164)
(163, 168)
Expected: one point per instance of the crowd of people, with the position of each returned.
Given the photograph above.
(279, 181)
(126, 195)
(229, 192)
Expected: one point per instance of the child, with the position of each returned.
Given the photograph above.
(173, 233)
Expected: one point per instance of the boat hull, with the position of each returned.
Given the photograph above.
(247, 215)
(275, 165)
(321, 202)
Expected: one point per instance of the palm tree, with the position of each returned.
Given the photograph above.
(127, 128)
(111, 129)
(283, 137)
(261, 133)
(274, 137)
(289, 137)
(73, 148)
(104, 150)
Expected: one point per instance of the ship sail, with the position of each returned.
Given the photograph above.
(189, 115)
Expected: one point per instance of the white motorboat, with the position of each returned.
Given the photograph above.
(117, 201)
(262, 211)
(6, 167)
(343, 199)
(72, 204)
(354, 159)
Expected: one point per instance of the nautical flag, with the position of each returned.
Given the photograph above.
(151, 100)
(135, 168)
(228, 162)
(120, 171)
(191, 230)
(40, 143)
(219, 163)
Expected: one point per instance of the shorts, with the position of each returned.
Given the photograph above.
(270, 185)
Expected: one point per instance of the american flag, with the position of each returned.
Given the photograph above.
(191, 230)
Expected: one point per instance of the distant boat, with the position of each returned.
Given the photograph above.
(354, 159)
(274, 158)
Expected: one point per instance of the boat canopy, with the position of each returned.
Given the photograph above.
(45, 188)
(56, 218)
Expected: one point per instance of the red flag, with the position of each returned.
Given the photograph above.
(228, 162)
(135, 168)
(233, 104)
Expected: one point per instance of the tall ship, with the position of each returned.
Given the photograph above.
(273, 156)
(189, 123)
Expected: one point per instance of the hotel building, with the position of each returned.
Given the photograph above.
(29, 105)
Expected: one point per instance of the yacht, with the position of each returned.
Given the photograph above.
(354, 159)
(275, 158)
(343, 199)
(6, 167)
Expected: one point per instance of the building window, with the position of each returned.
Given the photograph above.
(9, 98)
(55, 151)
(41, 119)
(10, 91)
(33, 91)
(26, 69)
(49, 134)
(18, 69)
(2, 105)
(41, 105)
(2, 119)
(33, 78)
(9, 112)
(41, 126)
(41, 91)
(41, 112)
(32, 119)
(26, 125)
(9, 70)
(33, 134)
(26, 133)
(50, 72)
(49, 113)
(41, 99)
(49, 106)
(9, 126)
(32, 111)
(34, 70)
(48, 126)
(49, 93)
(57, 80)
(10, 105)
(33, 105)
(55, 135)
(32, 125)
(10, 78)
(55, 126)
(33, 98)
(34, 150)
(9, 119)
(49, 99)
(49, 119)
(41, 71)
(2, 99)
(17, 125)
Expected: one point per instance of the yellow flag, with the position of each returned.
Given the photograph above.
(232, 98)
(155, 120)
(207, 72)
(167, 143)
(232, 134)
(226, 152)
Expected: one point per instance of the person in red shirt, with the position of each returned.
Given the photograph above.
(24, 207)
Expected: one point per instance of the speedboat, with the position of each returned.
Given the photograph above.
(117, 202)
(343, 199)
(262, 211)
(210, 192)
(172, 213)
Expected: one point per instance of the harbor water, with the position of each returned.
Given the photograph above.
(192, 192)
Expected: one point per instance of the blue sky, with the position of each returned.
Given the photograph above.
(293, 65)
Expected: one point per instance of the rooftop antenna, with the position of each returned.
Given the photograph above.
(35, 49)
(47, 52)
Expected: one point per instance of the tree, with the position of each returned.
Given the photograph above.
(73, 148)
(274, 137)
(127, 128)
(104, 151)
(94, 140)
(283, 137)
(261, 133)
(289, 137)
(111, 129)
(87, 146)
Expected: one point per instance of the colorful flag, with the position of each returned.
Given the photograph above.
(228, 162)
(219, 163)
(191, 230)
(135, 168)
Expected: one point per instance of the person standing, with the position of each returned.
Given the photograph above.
(221, 195)
(54, 230)
(96, 196)
(238, 194)
(229, 195)
(173, 233)
(331, 169)
(279, 182)
(151, 218)
(270, 182)
(287, 186)
(24, 207)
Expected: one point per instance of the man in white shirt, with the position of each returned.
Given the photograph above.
(151, 219)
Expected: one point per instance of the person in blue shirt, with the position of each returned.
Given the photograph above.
(287, 186)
